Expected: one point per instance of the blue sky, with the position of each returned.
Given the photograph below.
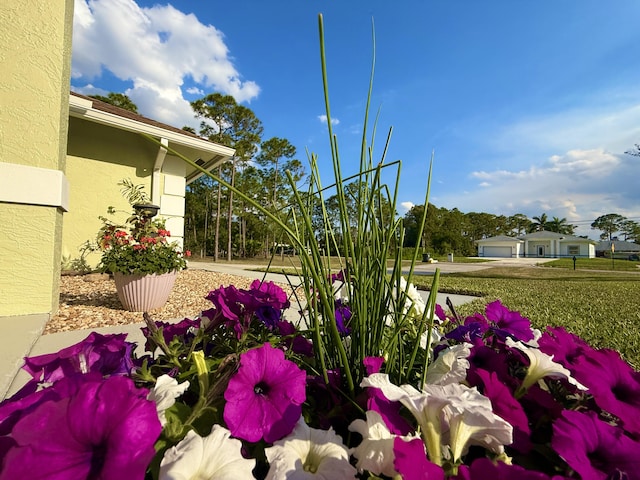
(529, 106)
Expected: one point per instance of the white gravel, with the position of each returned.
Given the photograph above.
(90, 301)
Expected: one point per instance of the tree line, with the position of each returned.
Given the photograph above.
(455, 231)
(219, 225)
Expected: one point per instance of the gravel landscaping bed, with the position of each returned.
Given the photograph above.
(90, 301)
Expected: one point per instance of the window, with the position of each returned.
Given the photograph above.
(573, 249)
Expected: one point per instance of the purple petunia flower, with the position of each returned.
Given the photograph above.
(388, 410)
(269, 294)
(411, 461)
(265, 396)
(226, 302)
(485, 469)
(106, 354)
(565, 347)
(614, 385)
(170, 330)
(87, 427)
(593, 448)
(508, 323)
(473, 329)
(265, 300)
(235, 306)
(269, 316)
(337, 277)
(343, 316)
(296, 342)
(373, 364)
(506, 407)
(499, 319)
(486, 358)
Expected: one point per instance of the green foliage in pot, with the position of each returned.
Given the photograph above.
(139, 247)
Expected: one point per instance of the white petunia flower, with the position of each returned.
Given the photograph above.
(542, 365)
(472, 422)
(451, 365)
(309, 454)
(414, 305)
(214, 457)
(452, 413)
(164, 394)
(375, 452)
(436, 336)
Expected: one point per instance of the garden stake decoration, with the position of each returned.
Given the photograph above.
(375, 383)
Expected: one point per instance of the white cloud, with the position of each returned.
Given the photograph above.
(154, 49)
(195, 91)
(91, 90)
(406, 206)
(579, 185)
(323, 119)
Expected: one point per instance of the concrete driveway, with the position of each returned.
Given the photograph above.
(424, 268)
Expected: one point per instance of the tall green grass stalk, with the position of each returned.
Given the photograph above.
(380, 323)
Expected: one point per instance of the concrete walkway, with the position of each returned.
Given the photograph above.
(18, 341)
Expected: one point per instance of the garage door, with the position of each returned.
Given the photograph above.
(497, 252)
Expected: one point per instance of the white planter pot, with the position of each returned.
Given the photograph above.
(142, 293)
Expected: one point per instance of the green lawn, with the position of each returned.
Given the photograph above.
(596, 264)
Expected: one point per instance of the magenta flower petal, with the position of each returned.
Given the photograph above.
(593, 448)
(270, 294)
(411, 461)
(565, 347)
(170, 330)
(509, 322)
(372, 364)
(503, 402)
(265, 396)
(485, 469)
(106, 354)
(104, 429)
(613, 384)
(389, 411)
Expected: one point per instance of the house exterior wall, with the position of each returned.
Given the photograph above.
(98, 159)
(515, 247)
(35, 39)
(586, 250)
(172, 198)
(556, 249)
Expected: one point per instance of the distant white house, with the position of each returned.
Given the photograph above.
(621, 249)
(501, 246)
(538, 244)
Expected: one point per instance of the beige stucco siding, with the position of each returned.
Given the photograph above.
(27, 281)
(35, 41)
(98, 159)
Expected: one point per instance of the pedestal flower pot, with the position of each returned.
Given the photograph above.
(141, 293)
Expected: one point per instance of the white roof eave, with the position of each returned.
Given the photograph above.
(82, 108)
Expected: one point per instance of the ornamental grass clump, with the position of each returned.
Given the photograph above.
(363, 379)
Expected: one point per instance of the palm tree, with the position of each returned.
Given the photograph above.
(560, 225)
(539, 223)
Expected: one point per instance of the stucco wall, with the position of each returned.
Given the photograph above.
(27, 257)
(35, 41)
(172, 198)
(98, 158)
